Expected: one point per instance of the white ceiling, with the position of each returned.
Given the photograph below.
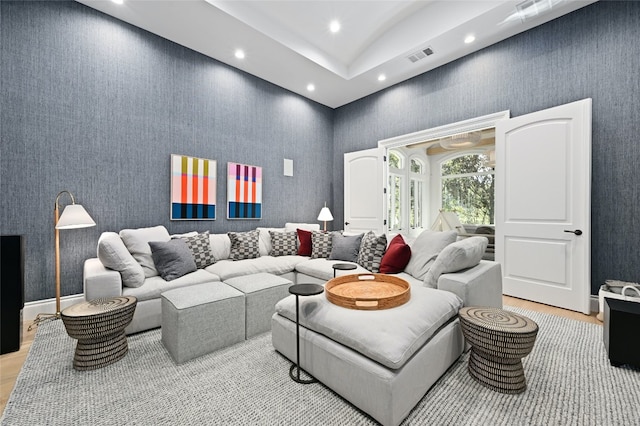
(288, 43)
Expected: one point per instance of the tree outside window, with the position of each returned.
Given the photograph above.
(394, 195)
(468, 188)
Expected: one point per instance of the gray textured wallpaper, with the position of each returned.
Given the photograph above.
(95, 106)
(590, 53)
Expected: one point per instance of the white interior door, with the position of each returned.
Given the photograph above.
(363, 191)
(543, 205)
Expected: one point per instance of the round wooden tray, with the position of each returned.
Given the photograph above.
(367, 291)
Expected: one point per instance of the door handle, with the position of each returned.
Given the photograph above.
(346, 224)
(577, 231)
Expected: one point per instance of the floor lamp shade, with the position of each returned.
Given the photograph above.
(74, 216)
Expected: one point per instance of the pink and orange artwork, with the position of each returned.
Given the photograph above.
(193, 188)
(244, 191)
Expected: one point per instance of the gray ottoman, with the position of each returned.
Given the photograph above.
(200, 319)
(262, 291)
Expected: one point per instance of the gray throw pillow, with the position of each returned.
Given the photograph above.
(173, 258)
(425, 249)
(455, 257)
(345, 247)
(372, 249)
(244, 245)
(200, 247)
(283, 243)
(320, 244)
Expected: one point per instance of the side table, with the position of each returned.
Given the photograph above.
(342, 267)
(302, 290)
(619, 331)
(99, 327)
(499, 340)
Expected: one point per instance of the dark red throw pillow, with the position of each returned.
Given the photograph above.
(396, 257)
(305, 242)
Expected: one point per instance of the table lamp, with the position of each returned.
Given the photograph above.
(325, 216)
(73, 216)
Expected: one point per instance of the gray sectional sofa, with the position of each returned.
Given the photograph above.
(124, 266)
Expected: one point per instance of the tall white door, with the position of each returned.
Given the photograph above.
(363, 191)
(543, 205)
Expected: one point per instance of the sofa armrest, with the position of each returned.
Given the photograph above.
(99, 281)
(477, 286)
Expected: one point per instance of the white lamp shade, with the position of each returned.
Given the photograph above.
(325, 215)
(74, 216)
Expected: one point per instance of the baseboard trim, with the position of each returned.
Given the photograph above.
(32, 309)
(595, 303)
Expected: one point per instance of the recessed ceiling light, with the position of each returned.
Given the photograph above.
(311, 87)
(334, 26)
(118, 1)
(239, 54)
(470, 38)
(382, 77)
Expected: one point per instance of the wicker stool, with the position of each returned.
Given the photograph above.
(99, 327)
(499, 340)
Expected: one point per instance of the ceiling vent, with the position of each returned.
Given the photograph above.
(420, 54)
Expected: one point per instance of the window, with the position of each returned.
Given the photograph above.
(396, 184)
(468, 187)
(417, 178)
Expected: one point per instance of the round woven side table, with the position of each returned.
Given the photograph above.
(499, 340)
(99, 327)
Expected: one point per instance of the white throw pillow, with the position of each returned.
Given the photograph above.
(220, 246)
(455, 257)
(137, 242)
(114, 255)
(265, 239)
(425, 249)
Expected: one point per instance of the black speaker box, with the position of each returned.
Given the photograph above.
(11, 292)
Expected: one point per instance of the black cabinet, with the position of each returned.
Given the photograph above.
(620, 332)
(11, 292)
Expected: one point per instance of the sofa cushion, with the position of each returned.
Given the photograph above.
(322, 268)
(200, 246)
(283, 243)
(244, 245)
(304, 242)
(345, 247)
(396, 257)
(154, 286)
(114, 255)
(220, 246)
(372, 249)
(274, 265)
(321, 244)
(388, 336)
(173, 258)
(456, 256)
(137, 242)
(425, 249)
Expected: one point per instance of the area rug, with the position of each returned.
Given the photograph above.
(570, 382)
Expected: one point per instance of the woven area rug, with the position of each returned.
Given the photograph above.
(570, 382)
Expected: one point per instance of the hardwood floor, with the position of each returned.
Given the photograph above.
(10, 364)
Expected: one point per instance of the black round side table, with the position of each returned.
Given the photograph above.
(302, 290)
(342, 267)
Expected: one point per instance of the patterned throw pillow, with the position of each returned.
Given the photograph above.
(283, 243)
(200, 247)
(244, 245)
(320, 244)
(372, 249)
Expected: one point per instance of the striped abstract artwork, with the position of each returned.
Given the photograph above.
(244, 191)
(193, 188)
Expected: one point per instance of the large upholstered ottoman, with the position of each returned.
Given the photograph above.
(383, 362)
(200, 319)
(262, 291)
